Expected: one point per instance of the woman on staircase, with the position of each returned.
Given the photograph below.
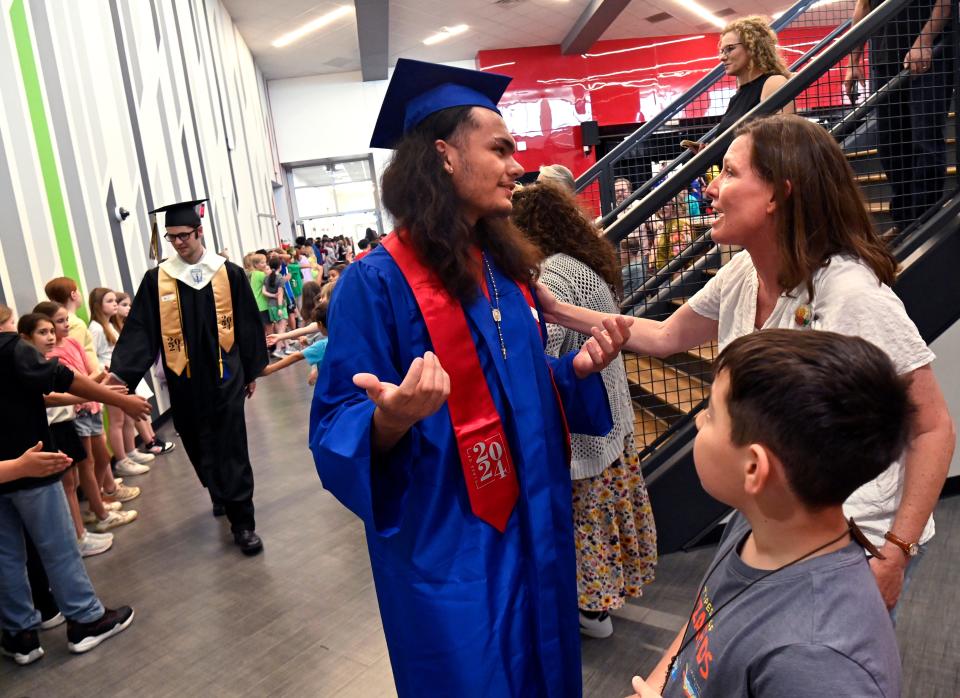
(812, 259)
(615, 537)
(748, 52)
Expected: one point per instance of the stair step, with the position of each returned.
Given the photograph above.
(706, 352)
(872, 178)
(671, 386)
(646, 427)
(877, 177)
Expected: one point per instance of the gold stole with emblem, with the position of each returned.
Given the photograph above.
(171, 320)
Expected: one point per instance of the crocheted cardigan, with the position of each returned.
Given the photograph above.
(574, 282)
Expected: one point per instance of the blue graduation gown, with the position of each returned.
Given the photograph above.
(467, 611)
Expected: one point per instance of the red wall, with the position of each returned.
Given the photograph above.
(618, 82)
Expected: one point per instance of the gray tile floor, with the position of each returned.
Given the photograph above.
(302, 619)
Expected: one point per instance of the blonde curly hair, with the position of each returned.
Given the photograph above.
(760, 43)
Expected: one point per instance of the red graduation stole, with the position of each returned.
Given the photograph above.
(481, 442)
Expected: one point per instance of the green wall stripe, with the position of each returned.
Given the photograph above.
(41, 134)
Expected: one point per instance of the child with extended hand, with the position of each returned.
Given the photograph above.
(38, 505)
(797, 420)
(313, 353)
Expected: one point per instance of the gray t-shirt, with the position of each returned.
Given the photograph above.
(816, 628)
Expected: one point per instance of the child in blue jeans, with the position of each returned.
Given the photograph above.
(37, 504)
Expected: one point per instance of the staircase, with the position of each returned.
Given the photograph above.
(667, 393)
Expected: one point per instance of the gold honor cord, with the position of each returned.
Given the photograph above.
(171, 320)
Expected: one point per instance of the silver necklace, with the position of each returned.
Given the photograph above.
(495, 305)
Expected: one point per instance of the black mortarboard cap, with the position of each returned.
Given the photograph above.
(183, 213)
(418, 89)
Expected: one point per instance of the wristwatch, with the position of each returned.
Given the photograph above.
(909, 549)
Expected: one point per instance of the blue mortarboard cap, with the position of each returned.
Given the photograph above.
(418, 89)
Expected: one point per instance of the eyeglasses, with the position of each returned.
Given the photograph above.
(179, 237)
(728, 49)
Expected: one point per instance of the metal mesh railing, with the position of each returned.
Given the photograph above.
(897, 128)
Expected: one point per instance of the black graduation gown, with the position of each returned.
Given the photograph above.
(208, 411)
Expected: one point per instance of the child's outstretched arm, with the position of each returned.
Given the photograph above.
(62, 400)
(292, 334)
(287, 360)
(33, 463)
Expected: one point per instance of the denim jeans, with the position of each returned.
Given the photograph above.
(43, 512)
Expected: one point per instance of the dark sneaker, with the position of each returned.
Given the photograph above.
(158, 447)
(51, 621)
(83, 637)
(23, 646)
(249, 542)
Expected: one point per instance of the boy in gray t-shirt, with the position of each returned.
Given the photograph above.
(789, 607)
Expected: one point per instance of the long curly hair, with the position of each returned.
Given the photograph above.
(760, 43)
(419, 194)
(553, 220)
(821, 209)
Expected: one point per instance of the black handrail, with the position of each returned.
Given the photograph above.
(677, 105)
(849, 123)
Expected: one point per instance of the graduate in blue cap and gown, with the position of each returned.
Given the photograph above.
(439, 420)
(198, 311)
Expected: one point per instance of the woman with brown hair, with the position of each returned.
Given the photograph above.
(616, 541)
(811, 259)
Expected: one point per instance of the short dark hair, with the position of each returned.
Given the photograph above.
(27, 324)
(320, 313)
(831, 407)
(362, 244)
(48, 308)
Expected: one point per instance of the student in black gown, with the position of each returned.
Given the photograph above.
(199, 311)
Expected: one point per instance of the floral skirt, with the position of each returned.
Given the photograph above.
(614, 534)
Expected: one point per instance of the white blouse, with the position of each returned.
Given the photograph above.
(848, 299)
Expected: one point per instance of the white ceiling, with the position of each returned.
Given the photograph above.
(493, 25)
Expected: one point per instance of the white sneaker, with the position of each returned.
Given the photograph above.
(91, 546)
(114, 519)
(600, 627)
(100, 536)
(127, 468)
(140, 457)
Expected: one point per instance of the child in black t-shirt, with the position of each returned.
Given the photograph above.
(38, 504)
(797, 420)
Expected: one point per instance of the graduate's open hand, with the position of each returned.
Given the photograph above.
(421, 393)
(603, 347)
(641, 689)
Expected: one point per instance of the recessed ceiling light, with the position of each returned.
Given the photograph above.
(444, 34)
(312, 26)
(701, 11)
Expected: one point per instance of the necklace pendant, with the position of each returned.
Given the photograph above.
(496, 314)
